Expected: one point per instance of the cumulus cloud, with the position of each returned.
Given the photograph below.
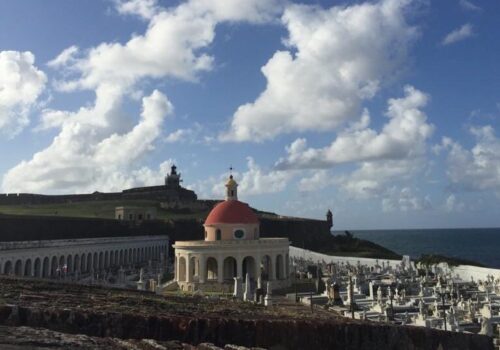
(145, 9)
(404, 136)
(373, 179)
(84, 157)
(98, 146)
(318, 180)
(21, 84)
(404, 199)
(336, 58)
(459, 34)
(478, 168)
(172, 46)
(253, 181)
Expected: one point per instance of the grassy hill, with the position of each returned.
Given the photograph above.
(186, 224)
(98, 209)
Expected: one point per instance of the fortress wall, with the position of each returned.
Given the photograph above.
(296, 252)
(32, 228)
(301, 232)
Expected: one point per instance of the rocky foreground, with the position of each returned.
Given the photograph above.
(54, 315)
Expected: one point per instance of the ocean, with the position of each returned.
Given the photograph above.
(479, 244)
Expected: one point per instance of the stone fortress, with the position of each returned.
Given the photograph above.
(171, 193)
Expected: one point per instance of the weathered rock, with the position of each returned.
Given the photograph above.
(108, 313)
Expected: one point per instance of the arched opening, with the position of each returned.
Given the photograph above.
(45, 268)
(18, 268)
(194, 267)
(112, 258)
(211, 269)
(7, 268)
(230, 268)
(53, 266)
(266, 268)
(182, 269)
(69, 264)
(106, 259)
(134, 255)
(27, 268)
(120, 260)
(101, 261)
(218, 234)
(37, 268)
(279, 267)
(95, 264)
(62, 261)
(249, 267)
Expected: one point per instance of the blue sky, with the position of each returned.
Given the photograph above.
(384, 111)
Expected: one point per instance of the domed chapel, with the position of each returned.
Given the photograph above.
(232, 248)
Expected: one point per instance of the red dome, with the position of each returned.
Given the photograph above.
(231, 212)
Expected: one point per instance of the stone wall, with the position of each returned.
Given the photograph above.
(272, 334)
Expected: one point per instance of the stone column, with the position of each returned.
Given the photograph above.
(203, 268)
(273, 274)
(189, 277)
(239, 267)
(220, 269)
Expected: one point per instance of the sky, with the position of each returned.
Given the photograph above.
(386, 112)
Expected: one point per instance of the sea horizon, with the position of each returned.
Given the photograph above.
(479, 245)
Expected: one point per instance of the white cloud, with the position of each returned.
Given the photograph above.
(477, 169)
(257, 181)
(21, 84)
(145, 9)
(404, 199)
(452, 204)
(188, 135)
(337, 58)
(86, 157)
(469, 6)
(373, 179)
(67, 56)
(253, 181)
(404, 136)
(173, 45)
(98, 147)
(318, 180)
(459, 34)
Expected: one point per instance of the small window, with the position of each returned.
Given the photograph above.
(149, 216)
(206, 234)
(119, 216)
(130, 216)
(239, 234)
(256, 233)
(232, 193)
(140, 216)
(218, 233)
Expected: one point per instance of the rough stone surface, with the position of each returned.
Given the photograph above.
(108, 313)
